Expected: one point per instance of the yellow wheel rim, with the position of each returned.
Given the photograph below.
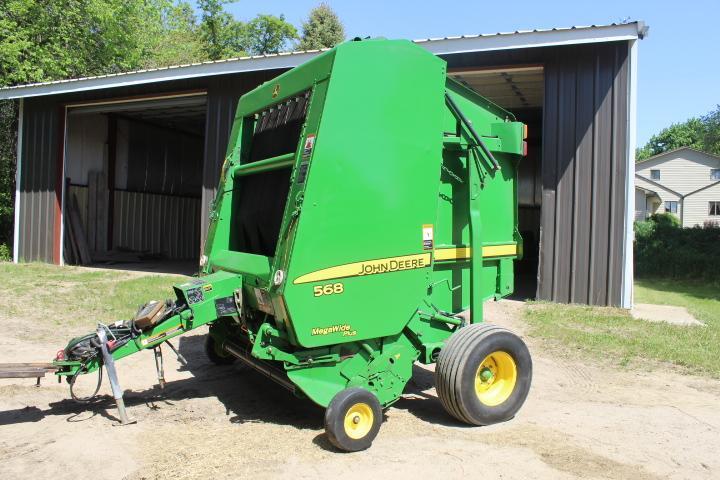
(495, 378)
(358, 420)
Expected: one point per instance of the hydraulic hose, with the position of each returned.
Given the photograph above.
(97, 387)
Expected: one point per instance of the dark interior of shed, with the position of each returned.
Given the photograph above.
(519, 89)
(133, 183)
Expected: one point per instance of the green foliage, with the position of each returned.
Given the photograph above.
(644, 228)
(224, 37)
(711, 137)
(663, 249)
(5, 254)
(323, 29)
(219, 31)
(700, 133)
(8, 136)
(44, 40)
(179, 40)
(665, 220)
(268, 34)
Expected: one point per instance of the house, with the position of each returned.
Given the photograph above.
(684, 182)
(137, 155)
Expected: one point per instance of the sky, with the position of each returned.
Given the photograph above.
(678, 62)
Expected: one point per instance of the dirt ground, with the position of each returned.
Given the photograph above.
(581, 420)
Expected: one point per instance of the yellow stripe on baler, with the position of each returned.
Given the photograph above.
(404, 262)
(464, 253)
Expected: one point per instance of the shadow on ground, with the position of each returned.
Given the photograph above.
(247, 396)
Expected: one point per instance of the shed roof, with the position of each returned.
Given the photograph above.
(439, 46)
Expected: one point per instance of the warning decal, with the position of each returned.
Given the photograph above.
(309, 145)
(427, 237)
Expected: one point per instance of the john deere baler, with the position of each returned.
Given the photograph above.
(367, 207)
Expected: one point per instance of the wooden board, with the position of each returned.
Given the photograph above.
(25, 370)
(101, 210)
(79, 232)
(92, 211)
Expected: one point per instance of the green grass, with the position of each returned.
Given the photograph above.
(615, 337)
(39, 297)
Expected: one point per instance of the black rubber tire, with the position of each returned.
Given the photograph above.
(214, 354)
(457, 367)
(335, 419)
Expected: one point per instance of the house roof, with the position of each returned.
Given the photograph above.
(675, 150)
(647, 191)
(653, 182)
(439, 46)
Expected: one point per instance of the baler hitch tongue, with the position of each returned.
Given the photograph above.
(26, 370)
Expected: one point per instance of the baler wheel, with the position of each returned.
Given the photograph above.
(353, 418)
(214, 354)
(483, 374)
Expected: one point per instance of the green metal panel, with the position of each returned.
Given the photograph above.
(371, 186)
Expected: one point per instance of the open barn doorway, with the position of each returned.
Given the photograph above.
(133, 183)
(519, 89)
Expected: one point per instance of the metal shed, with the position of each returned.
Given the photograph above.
(574, 87)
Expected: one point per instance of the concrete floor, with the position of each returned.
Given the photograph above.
(664, 313)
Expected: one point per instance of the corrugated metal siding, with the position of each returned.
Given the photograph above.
(584, 172)
(163, 161)
(157, 224)
(584, 163)
(37, 181)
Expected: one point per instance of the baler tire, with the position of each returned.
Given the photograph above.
(213, 355)
(483, 374)
(352, 419)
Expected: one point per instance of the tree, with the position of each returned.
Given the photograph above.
(268, 34)
(179, 39)
(219, 31)
(224, 36)
(701, 133)
(44, 40)
(8, 137)
(686, 134)
(323, 29)
(711, 136)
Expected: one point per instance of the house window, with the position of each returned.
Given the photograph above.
(715, 173)
(655, 174)
(671, 207)
(714, 209)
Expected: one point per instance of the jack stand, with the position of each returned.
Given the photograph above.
(159, 366)
(109, 362)
(180, 358)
